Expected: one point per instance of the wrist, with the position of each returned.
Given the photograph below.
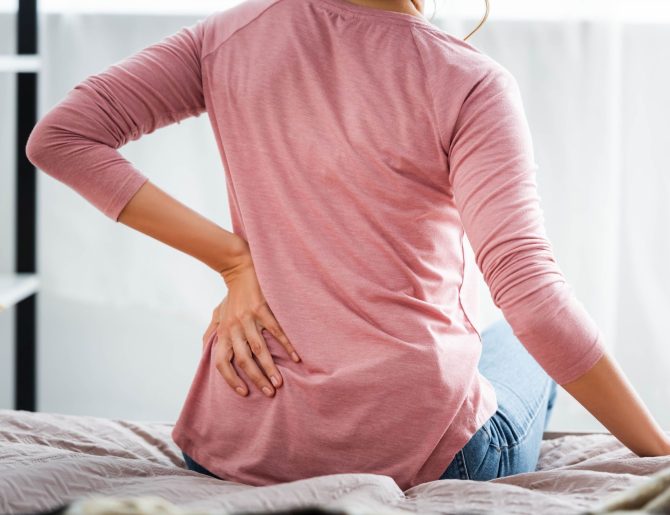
(662, 450)
(665, 445)
(237, 259)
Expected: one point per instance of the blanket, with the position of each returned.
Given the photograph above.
(51, 462)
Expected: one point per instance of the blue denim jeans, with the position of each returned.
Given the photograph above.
(191, 464)
(509, 442)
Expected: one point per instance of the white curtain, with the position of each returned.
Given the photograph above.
(121, 315)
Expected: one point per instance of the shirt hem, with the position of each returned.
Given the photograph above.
(187, 445)
(482, 397)
(486, 408)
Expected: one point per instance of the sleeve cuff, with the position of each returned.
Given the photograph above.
(124, 195)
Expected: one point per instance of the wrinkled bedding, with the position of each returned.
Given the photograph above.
(50, 459)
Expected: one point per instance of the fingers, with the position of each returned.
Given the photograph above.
(240, 338)
(224, 354)
(259, 347)
(210, 330)
(268, 320)
(245, 359)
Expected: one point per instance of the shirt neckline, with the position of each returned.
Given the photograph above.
(391, 16)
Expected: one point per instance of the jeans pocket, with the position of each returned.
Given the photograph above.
(480, 457)
(478, 460)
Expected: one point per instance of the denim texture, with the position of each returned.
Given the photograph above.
(509, 442)
(191, 464)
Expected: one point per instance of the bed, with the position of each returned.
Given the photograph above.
(50, 461)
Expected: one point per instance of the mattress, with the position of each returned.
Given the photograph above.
(49, 460)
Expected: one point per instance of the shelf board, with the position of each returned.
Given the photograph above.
(20, 63)
(16, 287)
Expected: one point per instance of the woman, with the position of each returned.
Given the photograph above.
(361, 145)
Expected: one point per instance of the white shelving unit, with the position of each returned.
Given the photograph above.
(19, 289)
(19, 63)
(16, 287)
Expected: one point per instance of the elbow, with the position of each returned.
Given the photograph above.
(36, 146)
(47, 146)
(521, 273)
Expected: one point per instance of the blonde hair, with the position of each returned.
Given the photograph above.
(479, 25)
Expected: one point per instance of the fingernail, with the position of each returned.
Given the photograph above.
(295, 357)
(240, 390)
(267, 391)
(275, 381)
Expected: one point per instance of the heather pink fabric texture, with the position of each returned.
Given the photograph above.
(360, 147)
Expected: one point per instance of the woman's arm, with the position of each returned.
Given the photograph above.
(492, 171)
(159, 215)
(77, 143)
(606, 393)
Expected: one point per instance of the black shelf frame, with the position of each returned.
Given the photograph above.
(25, 355)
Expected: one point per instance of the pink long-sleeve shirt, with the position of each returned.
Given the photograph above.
(360, 147)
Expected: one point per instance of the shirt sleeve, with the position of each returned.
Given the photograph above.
(77, 141)
(492, 172)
